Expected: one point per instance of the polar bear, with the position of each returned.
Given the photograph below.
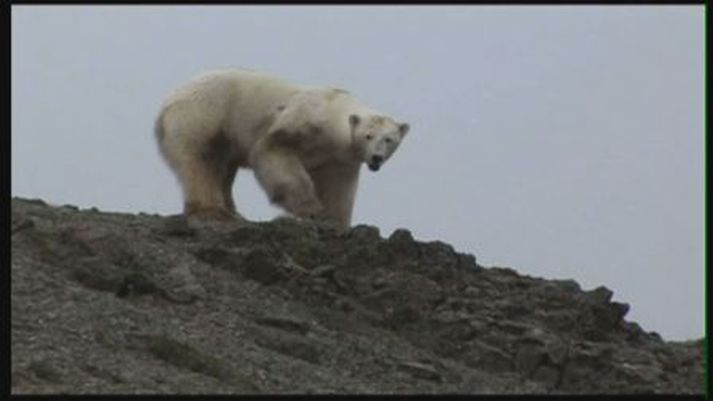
(305, 144)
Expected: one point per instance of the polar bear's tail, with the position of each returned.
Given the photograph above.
(158, 128)
(160, 133)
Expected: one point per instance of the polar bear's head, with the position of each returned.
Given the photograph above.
(376, 138)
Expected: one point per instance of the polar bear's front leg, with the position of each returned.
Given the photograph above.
(283, 177)
(336, 186)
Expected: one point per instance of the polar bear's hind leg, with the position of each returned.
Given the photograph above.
(207, 175)
(227, 187)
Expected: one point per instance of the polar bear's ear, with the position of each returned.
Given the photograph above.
(403, 129)
(354, 120)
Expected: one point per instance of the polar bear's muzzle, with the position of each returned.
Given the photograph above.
(375, 162)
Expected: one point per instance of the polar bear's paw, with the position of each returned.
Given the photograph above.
(305, 206)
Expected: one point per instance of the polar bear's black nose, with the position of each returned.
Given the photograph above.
(375, 162)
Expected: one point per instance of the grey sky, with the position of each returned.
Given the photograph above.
(565, 141)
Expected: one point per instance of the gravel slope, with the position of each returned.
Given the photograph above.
(120, 303)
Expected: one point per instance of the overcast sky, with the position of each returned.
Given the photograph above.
(562, 141)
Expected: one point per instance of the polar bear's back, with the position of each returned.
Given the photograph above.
(234, 102)
(244, 86)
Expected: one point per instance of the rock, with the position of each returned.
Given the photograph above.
(548, 375)
(45, 370)
(287, 324)
(292, 347)
(185, 356)
(529, 357)
(364, 232)
(22, 224)
(599, 295)
(323, 270)
(421, 370)
(262, 266)
(401, 236)
(488, 357)
(178, 226)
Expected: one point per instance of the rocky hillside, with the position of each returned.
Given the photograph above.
(122, 303)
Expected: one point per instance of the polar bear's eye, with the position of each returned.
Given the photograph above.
(369, 137)
(388, 140)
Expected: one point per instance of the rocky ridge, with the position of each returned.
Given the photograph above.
(121, 303)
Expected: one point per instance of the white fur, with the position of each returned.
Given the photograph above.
(305, 144)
